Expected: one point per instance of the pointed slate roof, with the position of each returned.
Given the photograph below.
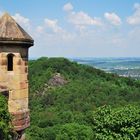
(12, 32)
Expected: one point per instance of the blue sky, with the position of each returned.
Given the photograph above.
(79, 28)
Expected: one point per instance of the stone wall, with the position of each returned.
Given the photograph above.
(17, 82)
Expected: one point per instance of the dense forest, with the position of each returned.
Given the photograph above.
(70, 101)
(84, 103)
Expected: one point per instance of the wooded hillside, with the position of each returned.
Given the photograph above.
(90, 104)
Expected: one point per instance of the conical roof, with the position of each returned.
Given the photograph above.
(12, 32)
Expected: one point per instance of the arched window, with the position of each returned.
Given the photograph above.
(10, 62)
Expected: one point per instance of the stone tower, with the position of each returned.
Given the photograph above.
(14, 45)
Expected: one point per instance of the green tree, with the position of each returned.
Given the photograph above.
(121, 123)
(80, 101)
(5, 127)
(74, 131)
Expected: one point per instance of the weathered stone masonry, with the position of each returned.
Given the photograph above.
(14, 44)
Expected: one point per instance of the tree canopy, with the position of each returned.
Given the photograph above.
(91, 105)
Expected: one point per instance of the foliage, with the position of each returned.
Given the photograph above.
(4, 119)
(56, 112)
(69, 131)
(74, 131)
(119, 123)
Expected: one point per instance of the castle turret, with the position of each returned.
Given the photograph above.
(14, 45)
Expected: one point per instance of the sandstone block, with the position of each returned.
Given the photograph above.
(18, 94)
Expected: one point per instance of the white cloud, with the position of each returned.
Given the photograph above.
(80, 19)
(68, 7)
(24, 22)
(83, 19)
(52, 25)
(137, 6)
(51, 30)
(55, 40)
(135, 18)
(113, 18)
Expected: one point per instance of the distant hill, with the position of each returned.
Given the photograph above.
(90, 104)
(123, 66)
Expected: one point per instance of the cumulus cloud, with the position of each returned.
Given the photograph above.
(113, 18)
(23, 21)
(83, 19)
(55, 40)
(50, 28)
(135, 18)
(68, 7)
(80, 19)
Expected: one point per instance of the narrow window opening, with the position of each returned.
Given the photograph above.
(10, 62)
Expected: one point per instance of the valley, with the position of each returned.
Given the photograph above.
(126, 67)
